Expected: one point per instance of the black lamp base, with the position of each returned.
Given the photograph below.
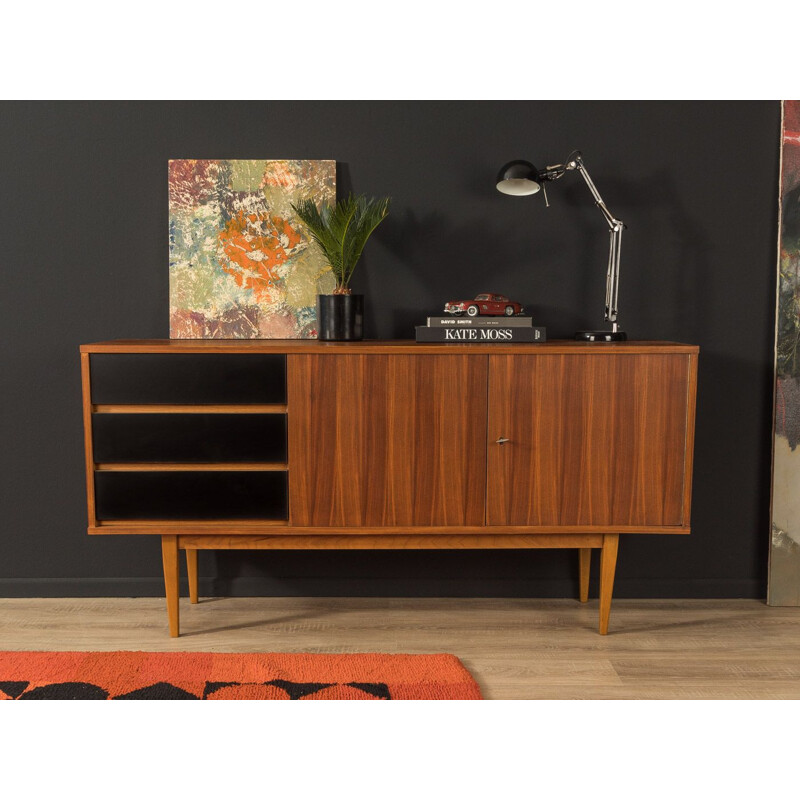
(601, 336)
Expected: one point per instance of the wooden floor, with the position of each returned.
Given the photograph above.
(516, 649)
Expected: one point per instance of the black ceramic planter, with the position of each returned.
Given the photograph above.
(340, 317)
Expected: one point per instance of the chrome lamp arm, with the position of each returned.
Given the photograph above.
(616, 226)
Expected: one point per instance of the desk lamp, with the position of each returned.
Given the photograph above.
(522, 178)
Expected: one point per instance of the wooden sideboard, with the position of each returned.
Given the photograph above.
(399, 445)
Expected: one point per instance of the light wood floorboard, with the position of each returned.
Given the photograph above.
(515, 648)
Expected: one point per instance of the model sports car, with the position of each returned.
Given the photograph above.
(490, 305)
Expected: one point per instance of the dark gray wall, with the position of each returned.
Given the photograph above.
(83, 228)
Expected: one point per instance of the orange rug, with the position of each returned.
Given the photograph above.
(126, 675)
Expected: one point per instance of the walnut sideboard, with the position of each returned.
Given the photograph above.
(397, 445)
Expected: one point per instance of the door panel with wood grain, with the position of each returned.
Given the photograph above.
(381, 440)
(593, 439)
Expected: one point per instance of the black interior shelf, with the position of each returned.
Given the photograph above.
(189, 437)
(191, 495)
(190, 378)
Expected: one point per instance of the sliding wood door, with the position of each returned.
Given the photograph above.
(387, 440)
(592, 439)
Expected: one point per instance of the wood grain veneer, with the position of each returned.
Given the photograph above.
(591, 441)
(439, 541)
(88, 447)
(236, 527)
(386, 440)
(688, 463)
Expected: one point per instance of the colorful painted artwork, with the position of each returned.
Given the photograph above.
(784, 563)
(241, 265)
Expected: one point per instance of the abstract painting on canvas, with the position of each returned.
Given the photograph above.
(241, 264)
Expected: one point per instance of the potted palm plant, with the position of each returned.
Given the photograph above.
(341, 231)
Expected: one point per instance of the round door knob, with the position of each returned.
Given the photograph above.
(503, 440)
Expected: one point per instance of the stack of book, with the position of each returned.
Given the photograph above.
(500, 330)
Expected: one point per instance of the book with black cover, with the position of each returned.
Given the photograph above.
(481, 335)
(480, 322)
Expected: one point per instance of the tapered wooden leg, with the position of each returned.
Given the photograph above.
(191, 568)
(169, 553)
(584, 564)
(608, 565)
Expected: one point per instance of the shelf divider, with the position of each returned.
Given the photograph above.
(175, 408)
(212, 466)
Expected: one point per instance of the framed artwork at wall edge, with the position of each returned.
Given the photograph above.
(784, 560)
(241, 263)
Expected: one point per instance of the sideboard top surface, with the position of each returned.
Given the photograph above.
(385, 346)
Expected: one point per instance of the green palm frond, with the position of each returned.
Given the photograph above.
(342, 230)
(368, 215)
(320, 231)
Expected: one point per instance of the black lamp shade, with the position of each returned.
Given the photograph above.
(518, 178)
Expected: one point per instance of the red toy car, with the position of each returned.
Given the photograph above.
(490, 305)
